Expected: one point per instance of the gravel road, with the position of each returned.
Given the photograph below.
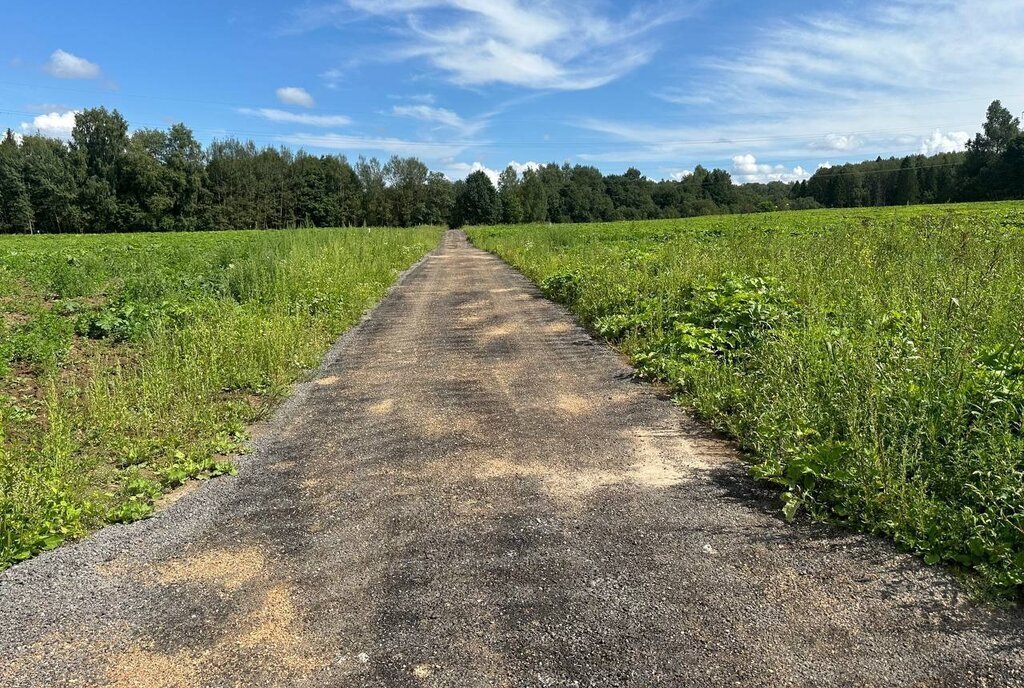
(472, 492)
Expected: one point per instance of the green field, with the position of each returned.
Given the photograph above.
(869, 361)
(132, 363)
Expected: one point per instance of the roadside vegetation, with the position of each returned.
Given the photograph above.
(130, 364)
(871, 362)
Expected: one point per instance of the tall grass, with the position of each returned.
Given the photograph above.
(132, 363)
(871, 362)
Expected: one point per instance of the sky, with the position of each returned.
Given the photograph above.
(768, 90)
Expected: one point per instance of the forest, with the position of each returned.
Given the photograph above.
(108, 178)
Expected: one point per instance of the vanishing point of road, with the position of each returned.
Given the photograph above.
(473, 492)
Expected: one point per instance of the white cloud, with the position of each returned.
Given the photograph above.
(948, 142)
(64, 65)
(536, 44)
(293, 95)
(56, 125)
(748, 169)
(837, 142)
(332, 77)
(522, 167)
(430, 114)
(442, 118)
(356, 144)
(273, 115)
(867, 79)
(461, 170)
(680, 175)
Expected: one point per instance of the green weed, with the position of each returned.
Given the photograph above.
(871, 362)
(130, 364)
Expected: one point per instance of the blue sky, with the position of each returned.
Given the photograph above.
(766, 90)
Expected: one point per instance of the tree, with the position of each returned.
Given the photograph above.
(477, 202)
(231, 178)
(49, 173)
(315, 205)
(343, 185)
(185, 165)
(586, 199)
(1000, 127)
(99, 141)
(15, 206)
(555, 179)
(907, 191)
(108, 180)
(717, 187)
(406, 182)
(509, 197)
(534, 202)
(376, 211)
(440, 202)
(631, 195)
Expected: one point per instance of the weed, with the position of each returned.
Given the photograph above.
(871, 362)
(130, 364)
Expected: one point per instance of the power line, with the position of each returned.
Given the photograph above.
(370, 141)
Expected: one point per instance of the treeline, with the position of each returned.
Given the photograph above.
(106, 179)
(991, 169)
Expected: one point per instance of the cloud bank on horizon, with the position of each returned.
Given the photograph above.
(770, 92)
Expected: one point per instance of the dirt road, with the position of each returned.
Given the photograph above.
(471, 492)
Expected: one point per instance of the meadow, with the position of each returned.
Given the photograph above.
(130, 364)
(869, 362)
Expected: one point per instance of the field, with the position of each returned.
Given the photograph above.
(869, 361)
(130, 364)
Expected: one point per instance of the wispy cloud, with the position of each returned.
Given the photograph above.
(442, 118)
(897, 77)
(536, 44)
(44, 108)
(64, 65)
(283, 116)
(355, 143)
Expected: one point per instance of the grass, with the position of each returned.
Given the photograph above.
(871, 362)
(130, 364)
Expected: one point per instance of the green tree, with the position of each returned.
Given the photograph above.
(50, 178)
(555, 179)
(534, 200)
(231, 179)
(406, 183)
(440, 199)
(631, 194)
(185, 173)
(477, 202)
(907, 190)
(509, 196)
(342, 185)
(586, 199)
(100, 142)
(1000, 128)
(315, 205)
(376, 210)
(15, 205)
